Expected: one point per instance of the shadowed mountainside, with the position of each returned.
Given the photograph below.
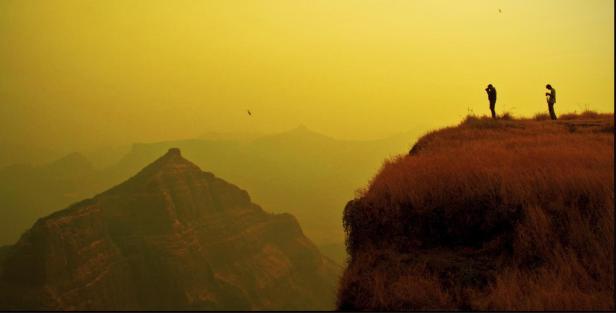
(171, 237)
(488, 215)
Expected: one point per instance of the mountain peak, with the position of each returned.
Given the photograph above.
(171, 163)
(298, 135)
(172, 159)
(73, 163)
(74, 157)
(303, 129)
(173, 153)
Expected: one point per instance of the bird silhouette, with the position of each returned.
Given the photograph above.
(249, 113)
(499, 11)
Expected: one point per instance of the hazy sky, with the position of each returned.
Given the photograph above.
(85, 73)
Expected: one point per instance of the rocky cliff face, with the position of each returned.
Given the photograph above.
(171, 237)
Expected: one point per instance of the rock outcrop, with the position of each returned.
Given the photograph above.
(171, 237)
(488, 215)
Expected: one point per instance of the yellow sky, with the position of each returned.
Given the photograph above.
(85, 73)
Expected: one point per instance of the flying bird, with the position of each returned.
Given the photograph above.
(249, 113)
(499, 11)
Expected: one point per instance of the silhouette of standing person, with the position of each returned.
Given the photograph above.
(551, 97)
(492, 98)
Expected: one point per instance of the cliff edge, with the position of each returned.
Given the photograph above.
(488, 215)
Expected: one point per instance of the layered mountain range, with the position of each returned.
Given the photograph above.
(302, 172)
(170, 237)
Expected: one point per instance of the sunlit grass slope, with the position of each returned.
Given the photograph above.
(504, 214)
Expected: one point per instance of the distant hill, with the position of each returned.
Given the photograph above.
(237, 136)
(489, 215)
(24, 153)
(171, 237)
(28, 192)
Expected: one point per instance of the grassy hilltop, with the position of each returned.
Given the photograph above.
(502, 214)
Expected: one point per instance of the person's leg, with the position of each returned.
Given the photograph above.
(552, 113)
(492, 105)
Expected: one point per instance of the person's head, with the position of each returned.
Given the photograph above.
(548, 86)
(490, 86)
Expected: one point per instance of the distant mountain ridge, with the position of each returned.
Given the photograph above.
(281, 168)
(170, 237)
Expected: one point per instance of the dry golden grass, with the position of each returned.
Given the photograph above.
(491, 215)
